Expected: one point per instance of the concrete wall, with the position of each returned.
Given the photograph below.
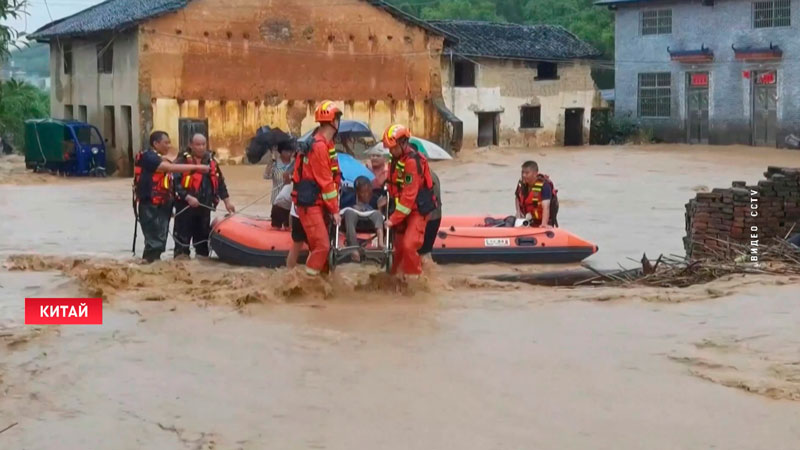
(505, 86)
(85, 86)
(717, 27)
(270, 62)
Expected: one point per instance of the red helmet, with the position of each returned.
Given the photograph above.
(327, 112)
(393, 134)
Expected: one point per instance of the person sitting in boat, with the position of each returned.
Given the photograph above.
(535, 197)
(362, 216)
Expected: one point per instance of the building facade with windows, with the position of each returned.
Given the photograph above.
(518, 85)
(706, 71)
(226, 68)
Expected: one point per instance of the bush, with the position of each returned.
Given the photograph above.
(20, 101)
(615, 130)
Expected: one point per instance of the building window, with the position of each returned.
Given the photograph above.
(546, 71)
(530, 117)
(66, 52)
(110, 125)
(771, 13)
(464, 74)
(83, 114)
(69, 113)
(655, 94)
(656, 22)
(105, 57)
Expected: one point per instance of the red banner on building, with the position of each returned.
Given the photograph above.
(767, 78)
(63, 311)
(699, 79)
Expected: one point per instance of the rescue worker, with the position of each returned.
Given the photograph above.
(533, 195)
(153, 193)
(197, 194)
(411, 188)
(316, 187)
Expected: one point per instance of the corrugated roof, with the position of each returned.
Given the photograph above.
(616, 2)
(512, 41)
(112, 15)
(107, 16)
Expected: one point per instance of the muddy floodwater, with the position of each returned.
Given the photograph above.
(201, 355)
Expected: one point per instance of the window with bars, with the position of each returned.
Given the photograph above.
(655, 94)
(772, 13)
(657, 21)
(530, 117)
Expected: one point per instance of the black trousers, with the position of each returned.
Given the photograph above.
(154, 220)
(431, 230)
(192, 226)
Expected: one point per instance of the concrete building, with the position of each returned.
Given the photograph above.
(705, 71)
(229, 67)
(518, 85)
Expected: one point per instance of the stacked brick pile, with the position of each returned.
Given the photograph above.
(726, 215)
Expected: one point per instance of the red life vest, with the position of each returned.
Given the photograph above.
(529, 199)
(193, 181)
(161, 190)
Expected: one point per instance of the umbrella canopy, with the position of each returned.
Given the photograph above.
(265, 139)
(347, 129)
(428, 149)
(351, 168)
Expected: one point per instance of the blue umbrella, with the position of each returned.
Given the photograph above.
(351, 168)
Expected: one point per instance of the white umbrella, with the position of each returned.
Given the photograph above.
(427, 148)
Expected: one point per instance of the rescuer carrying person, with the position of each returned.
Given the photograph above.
(411, 189)
(316, 181)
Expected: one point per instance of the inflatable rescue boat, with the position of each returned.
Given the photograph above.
(250, 241)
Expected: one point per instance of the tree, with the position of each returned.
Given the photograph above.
(462, 9)
(19, 102)
(590, 23)
(10, 9)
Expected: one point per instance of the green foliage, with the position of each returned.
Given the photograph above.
(612, 129)
(591, 23)
(34, 60)
(19, 102)
(9, 9)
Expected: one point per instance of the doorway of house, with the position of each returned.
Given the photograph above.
(573, 126)
(488, 123)
(697, 107)
(127, 133)
(188, 128)
(765, 107)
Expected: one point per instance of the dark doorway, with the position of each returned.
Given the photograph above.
(697, 107)
(487, 129)
(765, 107)
(573, 126)
(127, 135)
(599, 130)
(188, 128)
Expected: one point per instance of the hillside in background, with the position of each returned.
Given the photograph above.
(34, 60)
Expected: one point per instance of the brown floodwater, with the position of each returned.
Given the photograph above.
(203, 355)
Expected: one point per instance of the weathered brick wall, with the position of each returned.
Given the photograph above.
(769, 209)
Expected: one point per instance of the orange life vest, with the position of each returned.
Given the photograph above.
(193, 181)
(161, 190)
(530, 200)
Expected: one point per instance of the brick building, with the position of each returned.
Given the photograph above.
(706, 71)
(231, 66)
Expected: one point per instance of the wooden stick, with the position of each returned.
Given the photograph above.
(8, 427)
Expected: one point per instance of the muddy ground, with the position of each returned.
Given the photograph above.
(203, 355)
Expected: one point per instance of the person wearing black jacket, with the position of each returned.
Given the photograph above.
(197, 195)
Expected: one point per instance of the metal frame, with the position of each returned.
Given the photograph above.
(383, 258)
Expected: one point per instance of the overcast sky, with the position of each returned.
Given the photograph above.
(38, 16)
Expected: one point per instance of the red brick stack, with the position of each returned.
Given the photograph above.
(726, 215)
